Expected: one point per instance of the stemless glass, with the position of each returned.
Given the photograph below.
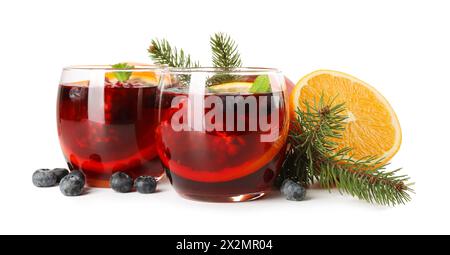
(107, 124)
(222, 132)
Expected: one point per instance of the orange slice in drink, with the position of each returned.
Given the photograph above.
(146, 77)
(231, 87)
(228, 173)
(372, 128)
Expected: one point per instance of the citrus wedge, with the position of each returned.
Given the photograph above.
(144, 76)
(147, 77)
(231, 87)
(372, 126)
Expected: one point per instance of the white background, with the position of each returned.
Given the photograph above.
(400, 47)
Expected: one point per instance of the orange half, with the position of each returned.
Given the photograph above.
(372, 126)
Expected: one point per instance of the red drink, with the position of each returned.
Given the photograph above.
(222, 164)
(109, 128)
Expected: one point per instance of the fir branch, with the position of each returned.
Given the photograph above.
(164, 54)
(225, 55)
(375, 185)
(225, 52)
(314, 156)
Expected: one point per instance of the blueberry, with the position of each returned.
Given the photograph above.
(80, 175)
(75, 93)
(145, 184)
(44, 178)
(72, 184)
(60, 173)
(121, 182)
(292, 190)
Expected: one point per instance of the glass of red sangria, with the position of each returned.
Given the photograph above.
(107, 119)
(222, 133)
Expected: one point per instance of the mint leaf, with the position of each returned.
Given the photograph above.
(122, 76)
(261, 85)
